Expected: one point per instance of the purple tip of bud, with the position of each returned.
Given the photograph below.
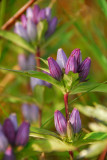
(31, 62)
(35, 81)
(71, 65)
(22, 61)
(13, 119)
(21, 31)
(9, 155)
(61, 58)
(84, 69)
(54, 69)
(22, 136)
(75, 120)
(34, 113)
(36, 11)
(41, 15)
(9, 131)
(29, 13)
(48, 13)
(3, 142)
(31, 30)
(60, 123)
(24, 21)
(51, 27)
(77, 53)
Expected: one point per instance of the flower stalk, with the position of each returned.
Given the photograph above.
(66, 105)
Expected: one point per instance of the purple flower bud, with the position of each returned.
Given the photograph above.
(9, 131)
(22, 136)
(13, 119)
(54, 69)
(51, 27)
(24, 21)
(84, 69)
(31, 62)
(34, 113)
(77, 53)
(75, 120)
(22, 61)
(71, 64)
(29, 13)
(60, 123)
(21, 31)
(3, 142)
(9, 155)
(26, 111)
(36, 11)
(61, 58)
(48, 13)
(31, 30)
(35, 81)
(41, 15)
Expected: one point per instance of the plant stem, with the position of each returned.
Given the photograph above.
(12, 20)
(37, 55)
(103, 154)
(67, 117)
(66, 105)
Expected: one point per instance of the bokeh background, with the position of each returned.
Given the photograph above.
(82, 24)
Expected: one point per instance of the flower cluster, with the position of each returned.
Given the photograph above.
(27, 29)
(30, 112)
(11, 134)
(61, 123)
(74, 63)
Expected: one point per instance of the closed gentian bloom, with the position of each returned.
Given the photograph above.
(77, 53)
(22, 61)
(84, 69)
(9, 130)
(3, 142)
(35, 81)
(13, 119)
(22, 136)
(51, 26)
(48, 13)
(71, 64)
(9, 155)
(75, 121)
(24, 21)
(29, 13)
(36, 11)
(33, 112)
(54, 69)
(21, 31)
(31, 63)
(41, 15)
(61, 58)
(26, 111)
(31, 30)
(60, 123)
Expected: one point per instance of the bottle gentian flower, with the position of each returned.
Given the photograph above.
(60, 123)
(54, 69)
(75, 121)
(3, 142)
(13, 119)
(22, 136)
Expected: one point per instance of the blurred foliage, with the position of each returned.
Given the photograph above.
(82, 24)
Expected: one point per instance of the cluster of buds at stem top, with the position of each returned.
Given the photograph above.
(74, 63)
(63, 127)
(30, 112)
(27, 28)
(11, 134)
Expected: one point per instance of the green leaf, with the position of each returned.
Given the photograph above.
(39, 75)
(89, 87)
(99, 111)
(14, 38)
(97, 136)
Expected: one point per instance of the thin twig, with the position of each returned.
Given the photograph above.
(12, 20)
